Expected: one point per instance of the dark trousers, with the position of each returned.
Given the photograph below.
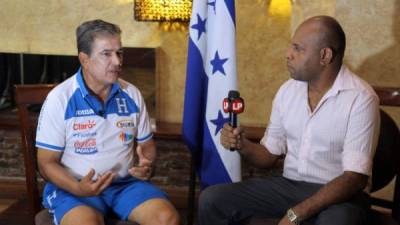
(271, 197)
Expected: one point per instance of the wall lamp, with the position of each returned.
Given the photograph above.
(163, 10)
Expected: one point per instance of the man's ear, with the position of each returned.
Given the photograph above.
(326, 56)
(83, 58)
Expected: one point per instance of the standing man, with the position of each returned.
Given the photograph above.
(325, 120)
(85, 139)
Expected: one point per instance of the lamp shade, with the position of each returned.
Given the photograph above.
(162, 10)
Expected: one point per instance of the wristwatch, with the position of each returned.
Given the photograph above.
(292, 216)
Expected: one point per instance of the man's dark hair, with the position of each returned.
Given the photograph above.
(333, 37)
(89, 30)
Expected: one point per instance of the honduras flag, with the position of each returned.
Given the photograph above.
(211, 73)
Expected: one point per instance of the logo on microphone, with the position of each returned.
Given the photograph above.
(226, 105)
(237, 105)
(233, 105)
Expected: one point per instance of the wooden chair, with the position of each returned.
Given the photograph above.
(386, 164)
(387, 160)
(26, 96)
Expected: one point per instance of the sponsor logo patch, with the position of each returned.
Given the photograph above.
(84, 135)
(125, 124)
(126, 138)
(85, 125)
(84, 112)
(87, 146)
(86, 151)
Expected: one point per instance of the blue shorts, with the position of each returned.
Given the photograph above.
(120, 197)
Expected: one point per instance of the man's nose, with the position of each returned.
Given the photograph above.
(289, 54)
(117, 59)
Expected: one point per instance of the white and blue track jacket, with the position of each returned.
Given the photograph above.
(92, 134)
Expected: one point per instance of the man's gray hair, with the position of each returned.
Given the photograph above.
(89, 30)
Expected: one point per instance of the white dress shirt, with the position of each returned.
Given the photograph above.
(339, 135)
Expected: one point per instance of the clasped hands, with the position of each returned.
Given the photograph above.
(89, 187)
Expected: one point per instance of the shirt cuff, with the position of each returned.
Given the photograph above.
(49, 147)
(358, 162)
(274, 145)
(145, 138)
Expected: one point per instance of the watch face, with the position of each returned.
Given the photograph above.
(292, 216)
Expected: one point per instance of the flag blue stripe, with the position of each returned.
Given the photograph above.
(195, 99)
(230, 4)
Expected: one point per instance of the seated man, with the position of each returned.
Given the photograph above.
(325, 120)
(85, 139)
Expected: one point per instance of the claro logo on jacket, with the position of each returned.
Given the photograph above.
(85, 125)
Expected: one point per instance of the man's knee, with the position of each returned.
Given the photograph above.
(82, 215)
(167, 217)
(210, 197)
(155, 212)
(211, 209)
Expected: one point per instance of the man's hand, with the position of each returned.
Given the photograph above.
(144, 170)
(231, 137)
(87, 187)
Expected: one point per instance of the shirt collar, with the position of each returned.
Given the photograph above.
(343, 81)
(85, 92)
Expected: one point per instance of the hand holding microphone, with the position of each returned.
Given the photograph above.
(230, 137)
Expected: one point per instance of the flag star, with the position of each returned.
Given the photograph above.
(219, 122)
(200, 26)
(212, 4)
(217, 63)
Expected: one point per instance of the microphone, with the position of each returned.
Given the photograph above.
(233, 105)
